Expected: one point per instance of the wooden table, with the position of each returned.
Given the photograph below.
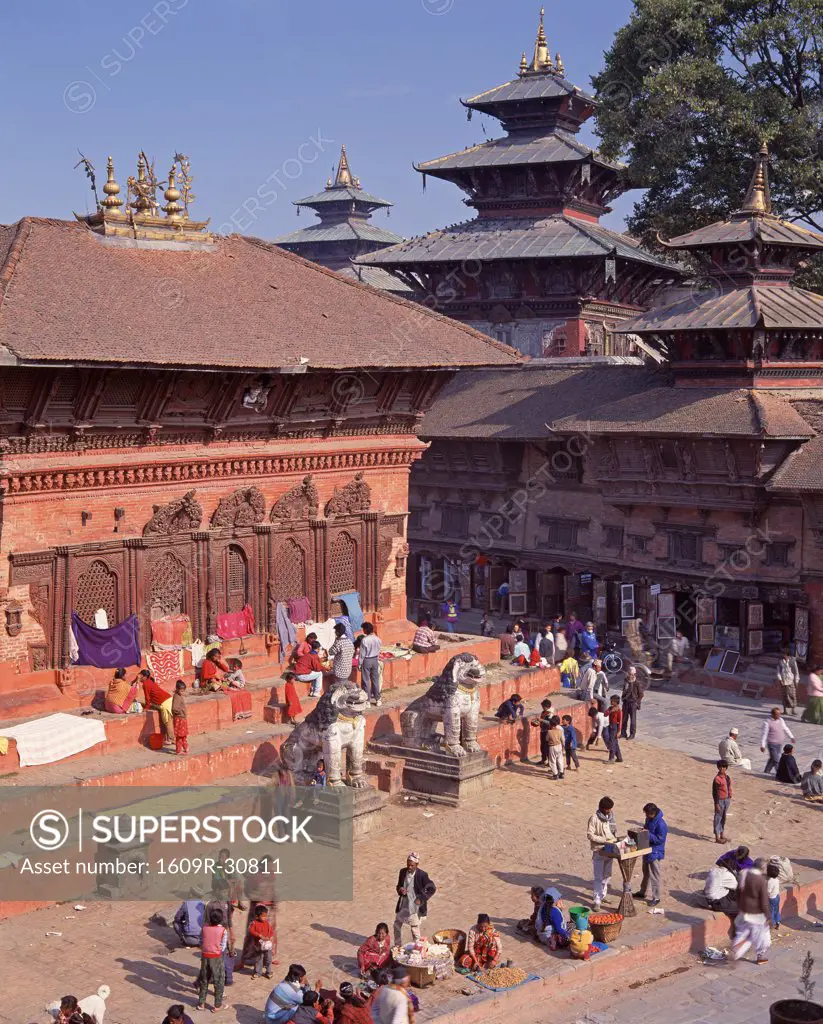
(627, 860)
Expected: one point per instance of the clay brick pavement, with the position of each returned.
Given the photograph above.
(527, 830)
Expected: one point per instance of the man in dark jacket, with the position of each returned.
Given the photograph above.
(632, 697)
(653, 860)
(188, 921)
(787, 770)
(414, 890)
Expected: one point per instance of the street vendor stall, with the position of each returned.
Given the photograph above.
(626, 854)
(425, 961)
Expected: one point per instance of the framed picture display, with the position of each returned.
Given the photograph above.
(731, 659)
(714, 660)
(755, 641)
(705, 610)
(705, 635)
(627, 601)
(517, 604)
(801, 624)
(666, 628)
(665, 606)
(754, 615)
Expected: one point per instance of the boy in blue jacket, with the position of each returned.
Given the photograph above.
(653, 860)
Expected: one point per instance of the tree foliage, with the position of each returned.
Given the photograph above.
(690, 89)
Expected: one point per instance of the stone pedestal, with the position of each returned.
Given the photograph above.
(440, 776)
(350, 812)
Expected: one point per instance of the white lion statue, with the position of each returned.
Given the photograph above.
(334, 728)
(453, 700)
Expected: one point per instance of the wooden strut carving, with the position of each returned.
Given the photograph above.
(179, 516)
(301, 502)
(244, 507)
(353, 498)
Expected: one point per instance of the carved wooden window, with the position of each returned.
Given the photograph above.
(289, 572)
(167, 581)
(237, 579)
(685, 548)
(613, 537)
(96, 588)
(343, 564)
(122, 389)
(455, 521)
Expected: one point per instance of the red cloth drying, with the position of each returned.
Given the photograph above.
(240, 704)
(170, 631)
(232, 625)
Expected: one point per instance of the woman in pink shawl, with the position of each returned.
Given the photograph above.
(375, 953)
(120, 694)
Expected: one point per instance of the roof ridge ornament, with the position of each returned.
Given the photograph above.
(758, 199)
(344, 176)
(111, 189)
(542, 58)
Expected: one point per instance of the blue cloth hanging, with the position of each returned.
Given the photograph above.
(355, 613)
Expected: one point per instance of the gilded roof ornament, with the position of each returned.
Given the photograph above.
(758, 197)
(111, 189)
(344, 176)
(173, 210)
(524, 64)
(559, 66)
(542, 58)
(142, 188)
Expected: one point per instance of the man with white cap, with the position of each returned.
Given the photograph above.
(414, 890)
(730, 752)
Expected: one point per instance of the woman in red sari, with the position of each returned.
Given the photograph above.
(293, 706)
(375, 953)
(482, 946)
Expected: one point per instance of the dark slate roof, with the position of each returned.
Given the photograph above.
(556, 147)
(68, 295)
(517, 404)
(706, 412)
(343, 194)
(345, 232)
(748, 228)
(506, 238)
(769, 306)
(802, 470)
(377, 278)
(530, 87)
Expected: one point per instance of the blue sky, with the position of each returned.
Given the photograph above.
(264, 91)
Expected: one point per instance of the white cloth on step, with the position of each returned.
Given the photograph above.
(55, 737)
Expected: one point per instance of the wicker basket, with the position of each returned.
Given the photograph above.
(604, 932)
(454, 939)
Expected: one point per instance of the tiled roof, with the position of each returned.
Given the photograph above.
(556, 147)
(765, 228)
(802, 470)
(343, 194)
(243, 304)
(707, 412)
(517, 404)
(770, 306)
(538, 87)
(345, 232)
(506, 238)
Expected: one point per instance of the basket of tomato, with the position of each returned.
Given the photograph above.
(605, 927)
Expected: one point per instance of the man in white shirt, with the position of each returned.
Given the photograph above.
(774, 735)
(720, 889)
(731, 753)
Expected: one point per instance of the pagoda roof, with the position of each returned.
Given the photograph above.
(377, 278)
(742, 228)
(349, 230)
(343, 194)
(758, 305)
(707, 412)
(69, 295)
(556, 236)
(530, 87)
(802, 470)
(556, 147)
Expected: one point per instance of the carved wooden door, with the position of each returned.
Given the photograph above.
(236, 579)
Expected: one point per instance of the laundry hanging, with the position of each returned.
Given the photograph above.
(232, 625)
(165, 666)
(116, 647)
(172, 631)
(285, 629)
(299, 609)
(352, 602)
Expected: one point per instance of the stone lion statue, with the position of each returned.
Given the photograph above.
(453, 700)
(334, 728)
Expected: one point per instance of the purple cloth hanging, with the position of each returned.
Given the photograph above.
(117, 647)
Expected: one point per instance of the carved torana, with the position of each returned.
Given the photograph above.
(180, 516)
(352, 499)
(301, 502)
(245, 507)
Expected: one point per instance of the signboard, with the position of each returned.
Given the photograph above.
(654, 589)
(585, 577)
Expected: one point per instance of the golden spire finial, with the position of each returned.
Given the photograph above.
(758, 197)
(329, 184)
(542, 57)
(344, 175)
(173, 209)
(112, 190)
(558, 65)
(141, 186)
(524, 64)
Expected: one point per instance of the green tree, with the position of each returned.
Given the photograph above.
(689, 90)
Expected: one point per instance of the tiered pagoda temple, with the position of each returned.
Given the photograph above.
(689, 494)
(345, 230)
(534, 268)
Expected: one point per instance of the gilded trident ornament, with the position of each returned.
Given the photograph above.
(185, 180)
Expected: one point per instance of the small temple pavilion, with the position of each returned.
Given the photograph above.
(345, 230)
(534, 267)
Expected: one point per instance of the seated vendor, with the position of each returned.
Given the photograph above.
(527, 924)
(550, 927)
(483, 948)
(120, 694)
(720, 890)
(424, 641)
(209, 679)
(375, 953)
